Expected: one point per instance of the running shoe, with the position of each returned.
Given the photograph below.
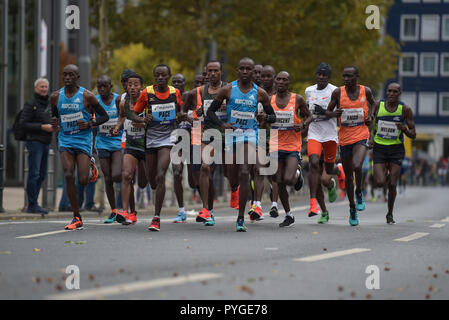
(255, 213)
(332, 192)
(131, 218)
(121, 217)
(324, 218)
(76, 224)
(112, 217)
(155, 224)
(314, 210)
(390, 219)
(211, 222)
(203, 216)
(240, 226)
(288, 222)
(181, 218)
(235, 199)
(341, 177)
(353, 218)
(360, 201)
(300, 182)
(93, 175)
(274, 212)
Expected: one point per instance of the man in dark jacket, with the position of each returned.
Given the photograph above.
(35, 120)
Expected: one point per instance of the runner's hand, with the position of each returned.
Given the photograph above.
(199, 112)
(114, 131)
(228, 126)
(139, 125)
(83, 125)
(401, 126)
(298, 127)
(260, 117)
(369, 121)
(54, 122)
(148, 118)
(370, 144)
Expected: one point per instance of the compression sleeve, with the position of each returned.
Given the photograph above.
(271, 116)
(214, 107)
(101, 116)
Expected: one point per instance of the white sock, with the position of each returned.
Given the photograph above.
(211, 212)
(181, 209)
(258, 204)
(274, 204)
(289, 214)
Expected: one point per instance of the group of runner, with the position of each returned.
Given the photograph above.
(252, 127)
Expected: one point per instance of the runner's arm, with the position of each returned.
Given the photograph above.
(408, 130)
(141, 104)
(54, 109)
(101, 116)
(270, 116)
(334, 103)
(372, 104)
(302, 108)
(216, 105)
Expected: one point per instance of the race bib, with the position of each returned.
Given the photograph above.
(107, 126)
(164, 113)
(352, 117)
(242, 119)
(69, 122)
(284, 120)
(132, 132)
(387, 130)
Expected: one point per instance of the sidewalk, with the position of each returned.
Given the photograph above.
(13, 201)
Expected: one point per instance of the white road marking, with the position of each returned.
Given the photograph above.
(133, 287)
(331, 255)
(437, 225)
(411, 237)
(271, 249)
(41, 234)
(445, 220)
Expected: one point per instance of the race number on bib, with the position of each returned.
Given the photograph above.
(132, 132)
(387, 130)
(164, 113)
(352, 117)
(242, 119)
(107, 126)
(69, 122)
(284, 120)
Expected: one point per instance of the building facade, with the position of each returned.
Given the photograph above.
(421, 27)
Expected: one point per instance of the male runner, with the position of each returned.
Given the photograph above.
(163, 103)
(285, 140)
(72, 110)
(134, 155)
(242, 97)
(267, 79)
(322, 140)
(355, 106)
(256, 74)
(388, 150)
(205, 95)
(198, 80)
(109, 146)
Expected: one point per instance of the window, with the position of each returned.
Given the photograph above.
(409, 98)
(429, 64)
(445, 28)
(408, 64)
(444, 71)
(430, 27)
(431, 1)
(427, 104)
(444, 103)
(409, 27)
(411, 1)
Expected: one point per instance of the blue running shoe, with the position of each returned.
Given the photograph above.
(210, 223)
(353, 219)
(360, 201)
(241, 225)
(111, 218)
(181, 218)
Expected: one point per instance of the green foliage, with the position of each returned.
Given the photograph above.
(291, 35)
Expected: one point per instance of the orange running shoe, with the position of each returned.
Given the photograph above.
(155, 224)
(314, 210)
(204, 216)
(93, 175)
(76, 224)
(122, 217)
(341, 177)
(255, 213)
(235, 199)
(131, 218)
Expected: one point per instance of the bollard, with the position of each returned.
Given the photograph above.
(49, 199)
(25, 180)
(2, 170)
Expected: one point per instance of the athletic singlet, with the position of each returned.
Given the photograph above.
(241, 111)
(163, 107)
(352, 121)
(286, 139)
(321, 129)
(135, 137)
(71, 110)
(387, 133)
(105, 140)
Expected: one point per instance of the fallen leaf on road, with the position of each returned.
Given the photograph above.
(49, 280)
(410, 220)
(400, 289)
(232, 262)
(353, 294)
(91, 277)
(5, 252)
(315, 233)
(175, 274)
(59, 287)
(427, 296)
(324, 249)
(387, 269)
(429, 268)
(204, 282)
(340, 288)
(435, 276)
(368, 296)
(36, 279)
(447, 271)
(36, 250)
(246, 289)
(251, 280)
(121, 270)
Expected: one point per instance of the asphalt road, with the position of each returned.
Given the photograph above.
(191, 261)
